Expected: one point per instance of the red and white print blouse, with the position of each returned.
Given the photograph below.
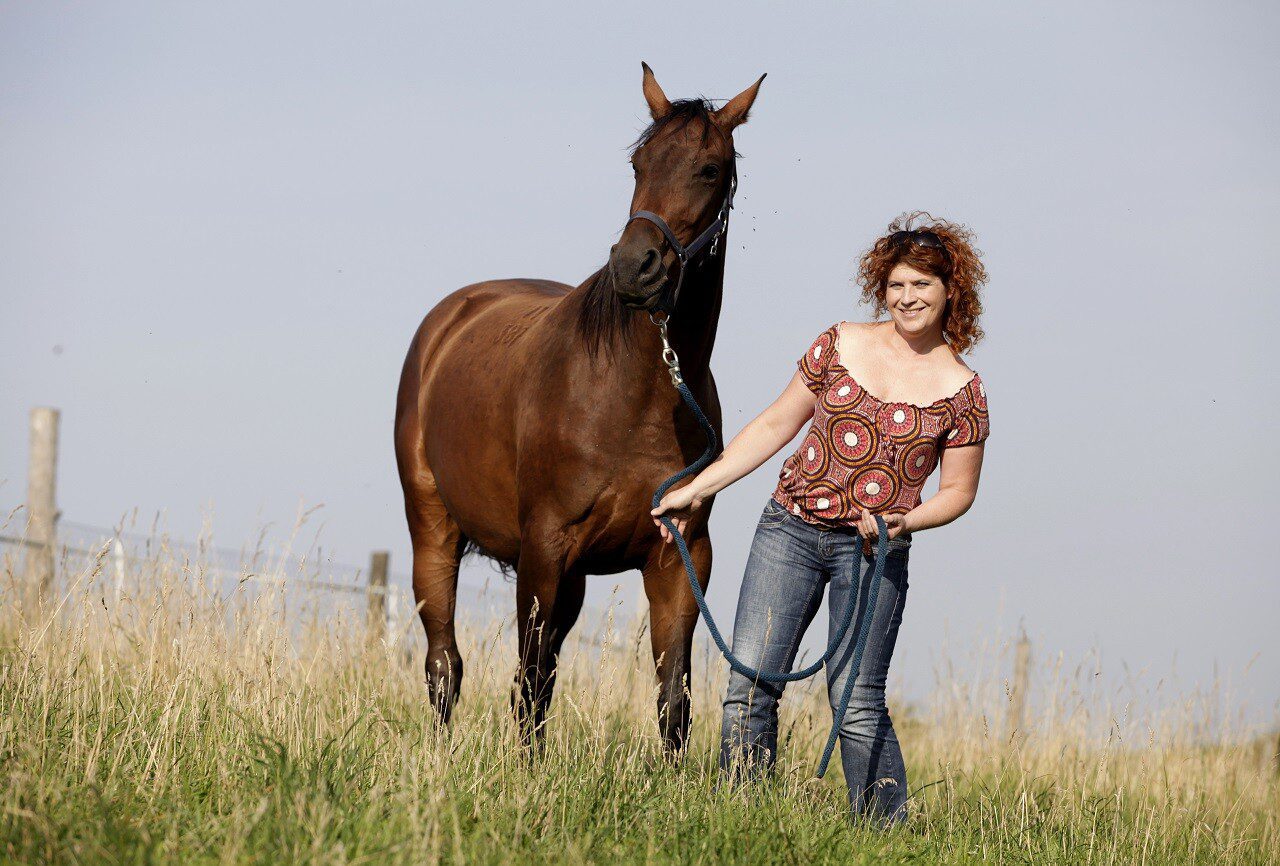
(862, 452)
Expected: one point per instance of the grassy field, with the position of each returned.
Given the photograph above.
(173, 726)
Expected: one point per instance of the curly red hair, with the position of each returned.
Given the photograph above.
(960, 269)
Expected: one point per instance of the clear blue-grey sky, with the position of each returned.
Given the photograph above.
(220, 225)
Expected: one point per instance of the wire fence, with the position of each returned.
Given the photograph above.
(309, 583)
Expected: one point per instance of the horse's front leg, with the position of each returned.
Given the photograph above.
(673, 614)
(548, 601)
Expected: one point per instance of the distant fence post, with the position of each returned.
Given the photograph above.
(1018, 688)
(379, 561)
(42, 508)
(119, 562)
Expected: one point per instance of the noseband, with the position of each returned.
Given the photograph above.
(710, 235)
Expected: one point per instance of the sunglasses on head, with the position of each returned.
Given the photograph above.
(923, 238)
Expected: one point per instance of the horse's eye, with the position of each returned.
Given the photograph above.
(710, 171)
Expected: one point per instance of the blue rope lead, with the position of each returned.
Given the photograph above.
(833, 642)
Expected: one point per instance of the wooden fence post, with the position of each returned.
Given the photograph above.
(1018, 688)
(379, 561)
(42, 509)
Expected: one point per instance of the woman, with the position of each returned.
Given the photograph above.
(886, 402)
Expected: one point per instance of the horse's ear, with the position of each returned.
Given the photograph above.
(659, 105)
(735, 111)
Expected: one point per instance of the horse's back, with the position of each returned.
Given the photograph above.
(472, 305)
(466, 315)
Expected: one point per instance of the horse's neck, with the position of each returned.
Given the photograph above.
(697, 315)
(692, 329)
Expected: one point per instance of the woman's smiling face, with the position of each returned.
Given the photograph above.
(916, 299)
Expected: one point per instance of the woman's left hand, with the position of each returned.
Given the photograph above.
(894, 523)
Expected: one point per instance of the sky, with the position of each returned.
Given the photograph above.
(220, 225)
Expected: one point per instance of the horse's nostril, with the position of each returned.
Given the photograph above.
(648, 263)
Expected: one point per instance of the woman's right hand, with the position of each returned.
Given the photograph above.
(679, 506)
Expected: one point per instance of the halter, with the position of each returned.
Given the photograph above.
(710, 235)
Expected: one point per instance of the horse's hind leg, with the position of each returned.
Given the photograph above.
(437, 550)
(548, 601)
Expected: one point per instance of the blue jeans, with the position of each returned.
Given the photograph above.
(789, 564)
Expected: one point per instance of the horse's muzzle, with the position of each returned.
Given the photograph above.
(638, 267)
(643, 301)
(639, 294)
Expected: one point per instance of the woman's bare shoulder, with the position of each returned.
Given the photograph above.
(958, 373)
(855, 330)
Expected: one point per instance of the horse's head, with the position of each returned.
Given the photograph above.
(684, 165)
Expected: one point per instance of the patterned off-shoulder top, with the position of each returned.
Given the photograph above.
(862, 452)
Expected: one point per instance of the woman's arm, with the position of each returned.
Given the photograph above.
(762, 438)
(755, 443)
(957, 488)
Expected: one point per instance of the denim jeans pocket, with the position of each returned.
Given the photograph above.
(773, 513)
(900, 545)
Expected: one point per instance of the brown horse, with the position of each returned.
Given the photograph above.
(535, 419)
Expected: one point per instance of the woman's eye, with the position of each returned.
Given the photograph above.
(709, 172)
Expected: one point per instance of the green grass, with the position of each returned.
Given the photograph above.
(170, 728)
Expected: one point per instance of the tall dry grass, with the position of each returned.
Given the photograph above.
(185, 722)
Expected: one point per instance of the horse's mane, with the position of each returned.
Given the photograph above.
(682, 112)
(603, 319)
